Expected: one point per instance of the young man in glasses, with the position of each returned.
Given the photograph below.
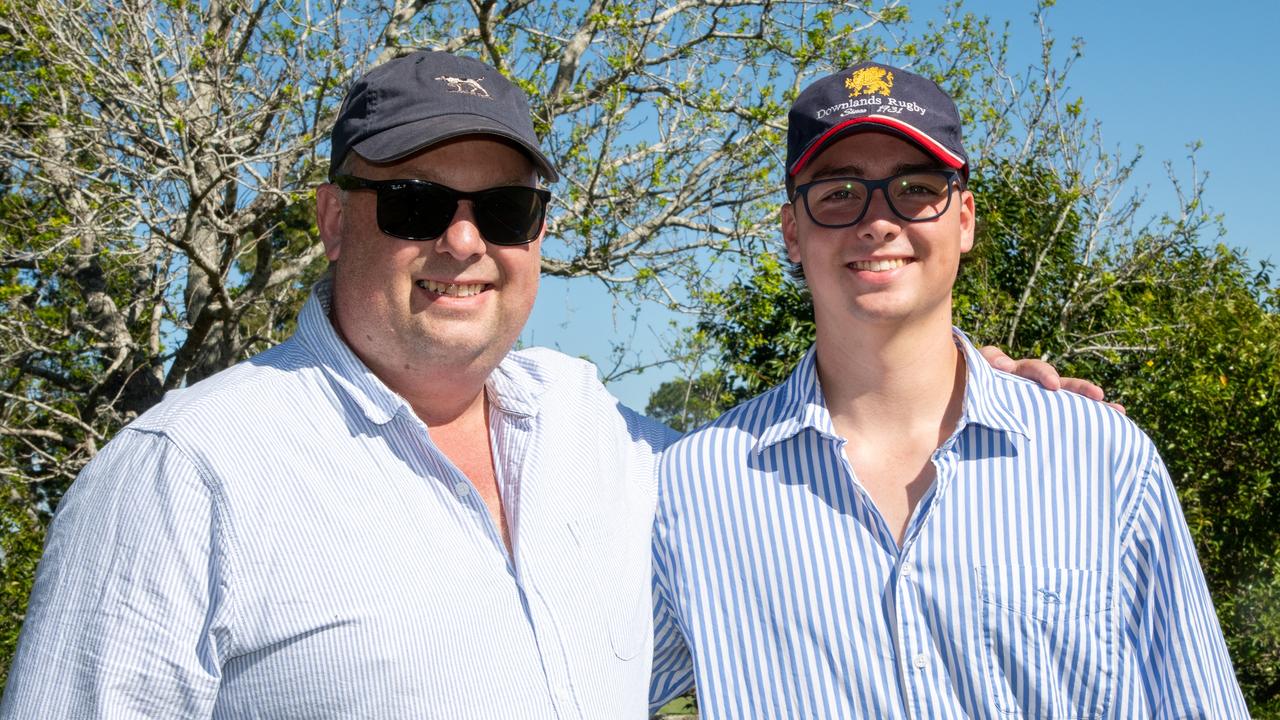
(897, 530)
(390, 515)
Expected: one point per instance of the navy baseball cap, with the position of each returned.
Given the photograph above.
(415, 101)
(872, 96)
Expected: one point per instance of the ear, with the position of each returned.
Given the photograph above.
(789, 235)
(329, 219)
(968, 221)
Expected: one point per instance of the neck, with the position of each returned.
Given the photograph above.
(894, 381)
(438, 394)
(437, 406)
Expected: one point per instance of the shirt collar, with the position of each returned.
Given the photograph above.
(517, 384)
(514, 387)
(982, 399)
(351, 376)
(798, 403)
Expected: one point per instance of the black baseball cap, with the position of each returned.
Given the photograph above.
(873, 96)
(418, 100)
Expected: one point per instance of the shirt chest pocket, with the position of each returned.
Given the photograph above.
(619, 569)
(1048, 641)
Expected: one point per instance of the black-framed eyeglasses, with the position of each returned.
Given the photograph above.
(421, 210)
(916, 196)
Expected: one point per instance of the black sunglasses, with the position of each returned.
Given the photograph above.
(421, 210)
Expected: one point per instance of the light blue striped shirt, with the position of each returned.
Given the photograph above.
(283, 540)
(1048, 572)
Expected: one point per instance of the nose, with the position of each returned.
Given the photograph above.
(879, 222)
(462, 239)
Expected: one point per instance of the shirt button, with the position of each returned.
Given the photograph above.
(921, 660)
(905, 572)
(461, 489)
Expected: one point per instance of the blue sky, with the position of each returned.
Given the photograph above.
(1164, 74)
(1158, 75)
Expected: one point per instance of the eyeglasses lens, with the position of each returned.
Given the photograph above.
(913, 196)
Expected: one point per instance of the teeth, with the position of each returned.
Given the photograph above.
(878, 265)
(453, 289)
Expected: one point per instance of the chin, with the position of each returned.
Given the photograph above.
(465, 349)
(879, 312)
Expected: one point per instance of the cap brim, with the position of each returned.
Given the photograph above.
(882, 123)
(405, 140)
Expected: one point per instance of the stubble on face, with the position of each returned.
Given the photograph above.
(453, 305)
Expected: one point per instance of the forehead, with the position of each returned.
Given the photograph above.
(869, 154)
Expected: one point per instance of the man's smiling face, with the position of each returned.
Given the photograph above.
(883, 269)
(452, 302)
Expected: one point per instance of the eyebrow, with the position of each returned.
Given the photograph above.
(856, 171)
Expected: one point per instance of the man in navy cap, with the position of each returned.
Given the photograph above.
(391, 514)
(898, 530)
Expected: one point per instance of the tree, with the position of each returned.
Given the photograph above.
(1206, 394)
(157, 159)
(686, 405)
(1065, 267)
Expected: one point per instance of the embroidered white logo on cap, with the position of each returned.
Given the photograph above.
(466, 86)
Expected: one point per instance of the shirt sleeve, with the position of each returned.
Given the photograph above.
(1173, 629)
(124, 617)
(672, 660)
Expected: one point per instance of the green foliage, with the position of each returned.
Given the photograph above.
(1023, 211)
(678, 709)
(1206, 393)
(685, 405)
(1187, 337)
(21, 540)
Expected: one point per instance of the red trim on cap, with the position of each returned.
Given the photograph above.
(933, 146)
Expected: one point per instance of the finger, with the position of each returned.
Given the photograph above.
(997, 358)
(1038, 371)
(1083, 387)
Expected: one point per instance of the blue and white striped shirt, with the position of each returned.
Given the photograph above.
(283, 540)
(1048, 572)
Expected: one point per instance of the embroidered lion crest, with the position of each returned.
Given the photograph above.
(869, 81)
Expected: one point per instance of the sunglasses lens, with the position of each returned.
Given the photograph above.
(417, 211)
(510, 215)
